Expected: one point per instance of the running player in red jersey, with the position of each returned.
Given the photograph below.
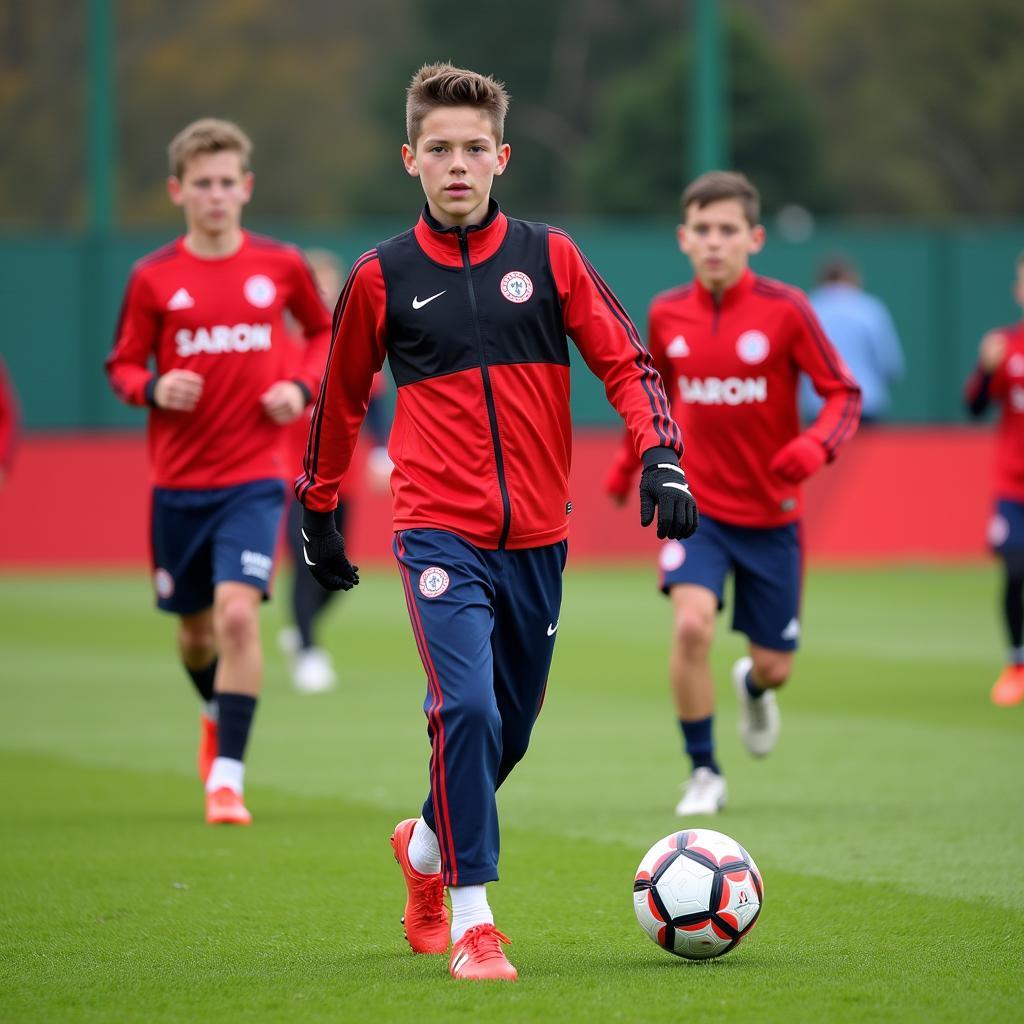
(311, 665)
(200, 341)
(999, 377)
(472, 310)
(9, 418)
(730, 347)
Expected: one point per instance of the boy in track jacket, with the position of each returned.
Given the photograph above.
(472, 308)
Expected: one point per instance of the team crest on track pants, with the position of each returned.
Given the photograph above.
(485, 624)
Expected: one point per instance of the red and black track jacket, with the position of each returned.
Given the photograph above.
(473, 323)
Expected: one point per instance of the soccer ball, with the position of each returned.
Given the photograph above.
(697, 893)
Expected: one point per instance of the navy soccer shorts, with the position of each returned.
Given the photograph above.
(767, 568)
(204, 537)
(485, 624)
(1006, 527)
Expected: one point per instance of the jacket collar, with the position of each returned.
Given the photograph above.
(442, 244)
(731, 295)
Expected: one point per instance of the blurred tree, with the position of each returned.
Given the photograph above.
(638, 158)
(553, 58)
(42, 106)
(923, 101)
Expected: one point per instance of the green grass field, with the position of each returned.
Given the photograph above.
(889, 824)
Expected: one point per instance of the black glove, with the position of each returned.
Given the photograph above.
(323, 550)
(663, 486)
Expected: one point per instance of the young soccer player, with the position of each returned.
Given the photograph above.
(472, 308)
(730, 347)
(206, 310)
(999, 377)
(311, 665)
(9, 419)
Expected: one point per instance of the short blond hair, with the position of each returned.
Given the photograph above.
(207, 135)
(717, 185)
(444, 85)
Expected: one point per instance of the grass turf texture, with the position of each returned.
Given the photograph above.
(888, 824)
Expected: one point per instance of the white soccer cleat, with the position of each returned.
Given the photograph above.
(759, 719)
(704, 794)
(313, 671)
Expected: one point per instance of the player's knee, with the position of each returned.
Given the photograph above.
(694, 630)
(237, 623)
(773, 671)
(474, 709)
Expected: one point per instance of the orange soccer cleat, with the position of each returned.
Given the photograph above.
(427, 927)
(207, 746)
(224, 807)
(478, 956)
(1009, 687)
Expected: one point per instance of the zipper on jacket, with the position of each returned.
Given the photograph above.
(492, 414)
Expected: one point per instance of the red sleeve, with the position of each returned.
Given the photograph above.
(356, 354)
(307, 306)
(611, 346)
(8, 419)
(627, 459)
(816, 356)
(138, 327)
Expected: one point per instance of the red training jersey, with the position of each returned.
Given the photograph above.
(220, 318)
(732, 368)
(1006, 386)
(474, 325)
(9, 417)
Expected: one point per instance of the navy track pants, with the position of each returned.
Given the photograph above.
(485, 624)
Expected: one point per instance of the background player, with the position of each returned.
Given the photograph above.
(311, 665)
(9, 419)
(730, 347)
(472, 309)
(999, 377)
(207, 310)
(861, 328)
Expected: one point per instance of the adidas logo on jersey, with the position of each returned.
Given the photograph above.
(181, 300)
(677, 347)
(730, 391)
(792, 630)
(214, 340)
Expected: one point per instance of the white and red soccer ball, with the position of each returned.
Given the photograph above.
(697, 893)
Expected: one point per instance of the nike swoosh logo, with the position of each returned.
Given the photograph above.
(551, 629)
(304, 555)
(417, 304)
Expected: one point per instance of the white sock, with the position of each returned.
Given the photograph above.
(210, 709)
(226, 771)
(469, 908)
(424, 853)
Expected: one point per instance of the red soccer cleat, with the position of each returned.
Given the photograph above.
(224, 807)
(478, 956)
(207, 746)
(1009, 687)
(427, 927)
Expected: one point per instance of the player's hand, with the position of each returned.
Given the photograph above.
(283, 402)
(663, 487)
(796, 461)
(323, 551)
(178, 390)
(618, 481)
(378, 469)
(992, 351)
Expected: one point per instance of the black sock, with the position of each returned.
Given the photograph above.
(699, 744)
(1013, 609)
(202, 679)
(234, 720)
